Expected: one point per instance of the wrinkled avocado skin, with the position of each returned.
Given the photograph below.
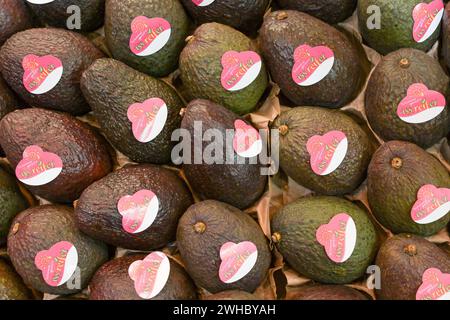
(401, 273)
(112, 282)
(39, 228)
(297, 224)
(97, 214)
(388, 86)
(445, 46)
(14, 17)
(11, 285)
(279, 37)
(392, 192)
(8, 101)
(325, 292)
(201, 251)
(110, 94)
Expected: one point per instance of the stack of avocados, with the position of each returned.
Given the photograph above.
(138, 141)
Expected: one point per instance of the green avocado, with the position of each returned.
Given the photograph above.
(325, 292)
(119, 16)
(295, 231)
(231, 295)
(40, 228)
(11, 285)
(390, 107)
(14, 17)
(217, 243)
(397, 172)
(111, 94)
(396, 25)
(207, 73)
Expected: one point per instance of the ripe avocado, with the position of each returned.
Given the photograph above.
(445, 46)
(240, 184)
(8, 101)
(40, 228)
(202, 233)
(397, 172)
(73, 50)
(402, 260)
(396, 25)
(388, 89)
(14, 17)
(295, 229)
(119, 16)
(83, 152)
(111, 88)
(97, 211)
(283, 32)
(11, 285)
(112, 282)
(203, 72)
(325, 292)
(231, 295)
(298, 126)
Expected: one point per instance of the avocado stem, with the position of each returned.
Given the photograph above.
(411, 250)
(182, 112)
(283, 129)
(189, 39)
(404, 63)
(276, 237)
(397, 163)
(15, 228)
(282, 15)
(200, 227)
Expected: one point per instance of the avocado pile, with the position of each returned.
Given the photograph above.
(205, 149)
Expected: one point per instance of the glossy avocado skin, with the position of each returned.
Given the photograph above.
(11, 285)
(239, 184)
(75, 52)
(325, 292)
(14, 17)
(97, 214)
(283, 31)
(39, 228)
(201, 250)
(392, 191)
(201, 68)
(111, 87)
(118, 17)
(388, 86)
(83, 151)
(295, 227)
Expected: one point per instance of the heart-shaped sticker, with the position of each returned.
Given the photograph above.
(239, 69)
(311, 64)
(432, 204)
(148, 119)
(435, 285)
(41, 74)
(149, 35)
(202, 3)
(247, 141)
(40, 1)
(237, 260)
(427, 18)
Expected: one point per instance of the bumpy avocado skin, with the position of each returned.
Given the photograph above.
(325, 292)
(388, 86)
(14, 17)
(11, 285)
(97, 214)
(396, 25)
(295, 226)
(283, 31)
(118, 17)
(201, 67)
(41, 227)
(402, 260)
(111, 87)
(392, 192)
(201, 250)
(445, 45)
(8, 101)
(306, 122)
(112, 282)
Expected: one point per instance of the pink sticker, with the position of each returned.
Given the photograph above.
(138, 211)
(432, 204)
(420, 104)
(149, 35)
(435, 285)
(237, 260)
(327, 152)
(148, 119)
(38, 167)
(58, 263)
(311, 64)
(41, 74)
(239, 69)
(202, 3)
(427, 18)
(150, 275)
(338, 237)
(246, 142)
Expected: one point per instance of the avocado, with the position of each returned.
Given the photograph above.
(102, 211)
(325, 292)
(445, 44)
(221, 64)
(397, 27)
(314, 141)
(231, 295)
(406, 98)
(14, 17)
(310, 235)
(113, 282)
(165, 23)
(11, 285)
(124, 102)
(332, 75)
(238, 182)
(48, 233)
(331, 11)
(403, 260)
(8, 100)
(222, 247)
(56, 155)
(406, 189)
(245, 16)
